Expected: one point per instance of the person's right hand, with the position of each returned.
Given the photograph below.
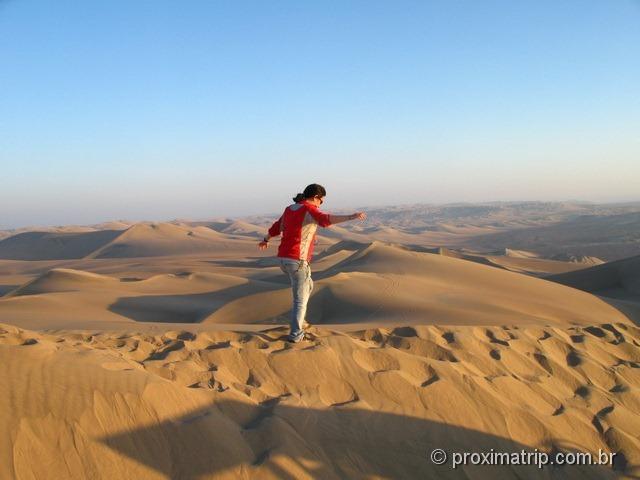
(359, 216)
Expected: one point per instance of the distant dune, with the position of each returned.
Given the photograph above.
(54, 245)
(609, 237)
(509, 252)
(163, 239)
(239, 227)
(582, 259)
(566, 231)
(63, 280)
(139, 240)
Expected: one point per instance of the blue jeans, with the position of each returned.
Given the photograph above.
(299, 273)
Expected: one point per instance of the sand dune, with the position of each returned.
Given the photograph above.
(377, 283)
(65, 298)
(113, 225)
(513, 260)
(391, 282)
(157, 350)
(551, 230)
(63, 280)
(609, 237)
(164, 239)
(509, 252)
(583, 259)
(54, 245)
(369, 404)
(615, 279)
(139, 240)
(618, 282)
(533, 265)
(239, 227)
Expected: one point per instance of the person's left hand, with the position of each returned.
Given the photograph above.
(263, 245)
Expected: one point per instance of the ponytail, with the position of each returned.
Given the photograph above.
(313, 190)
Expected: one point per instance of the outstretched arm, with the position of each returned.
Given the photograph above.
(325, 219)
(345, 218)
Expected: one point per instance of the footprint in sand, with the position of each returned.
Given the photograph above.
(605, 411)
(545, 335)
(404, 332)
(163, 353)
(619, 337)
(211, 384)
(492, 338)
(449, 337)
(595, 331)
(595, 421)
(253, 381)
(18, 339)
(543, 362)
(433, 378)
(583, 391)
(422, 348)
(217, 345)
(573, 359)
(618, 388)
(181, 335)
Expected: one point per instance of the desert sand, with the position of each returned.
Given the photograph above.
(157, 350)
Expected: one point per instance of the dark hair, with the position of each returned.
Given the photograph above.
(313, 190)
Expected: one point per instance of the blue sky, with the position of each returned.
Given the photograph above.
(158, 109)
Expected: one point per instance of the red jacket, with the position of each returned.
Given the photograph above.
(298, 225)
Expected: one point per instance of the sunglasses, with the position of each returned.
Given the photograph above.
(321, 200)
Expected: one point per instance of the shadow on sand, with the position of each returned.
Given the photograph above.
(192, 307)
(339, 441)
(4, 289)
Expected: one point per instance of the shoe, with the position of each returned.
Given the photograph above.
(297, 339)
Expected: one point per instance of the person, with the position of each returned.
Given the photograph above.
(298, 225)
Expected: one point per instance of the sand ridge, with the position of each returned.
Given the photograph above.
(247, 405)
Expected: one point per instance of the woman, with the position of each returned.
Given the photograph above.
(298, 225)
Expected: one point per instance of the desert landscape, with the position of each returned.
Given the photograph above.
(472, 311)
(158, 349)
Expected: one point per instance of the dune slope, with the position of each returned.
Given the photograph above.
(619, 278)
(54, 245)
(618, 282)
(164, 239)
(370, 404)
(376, 284)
